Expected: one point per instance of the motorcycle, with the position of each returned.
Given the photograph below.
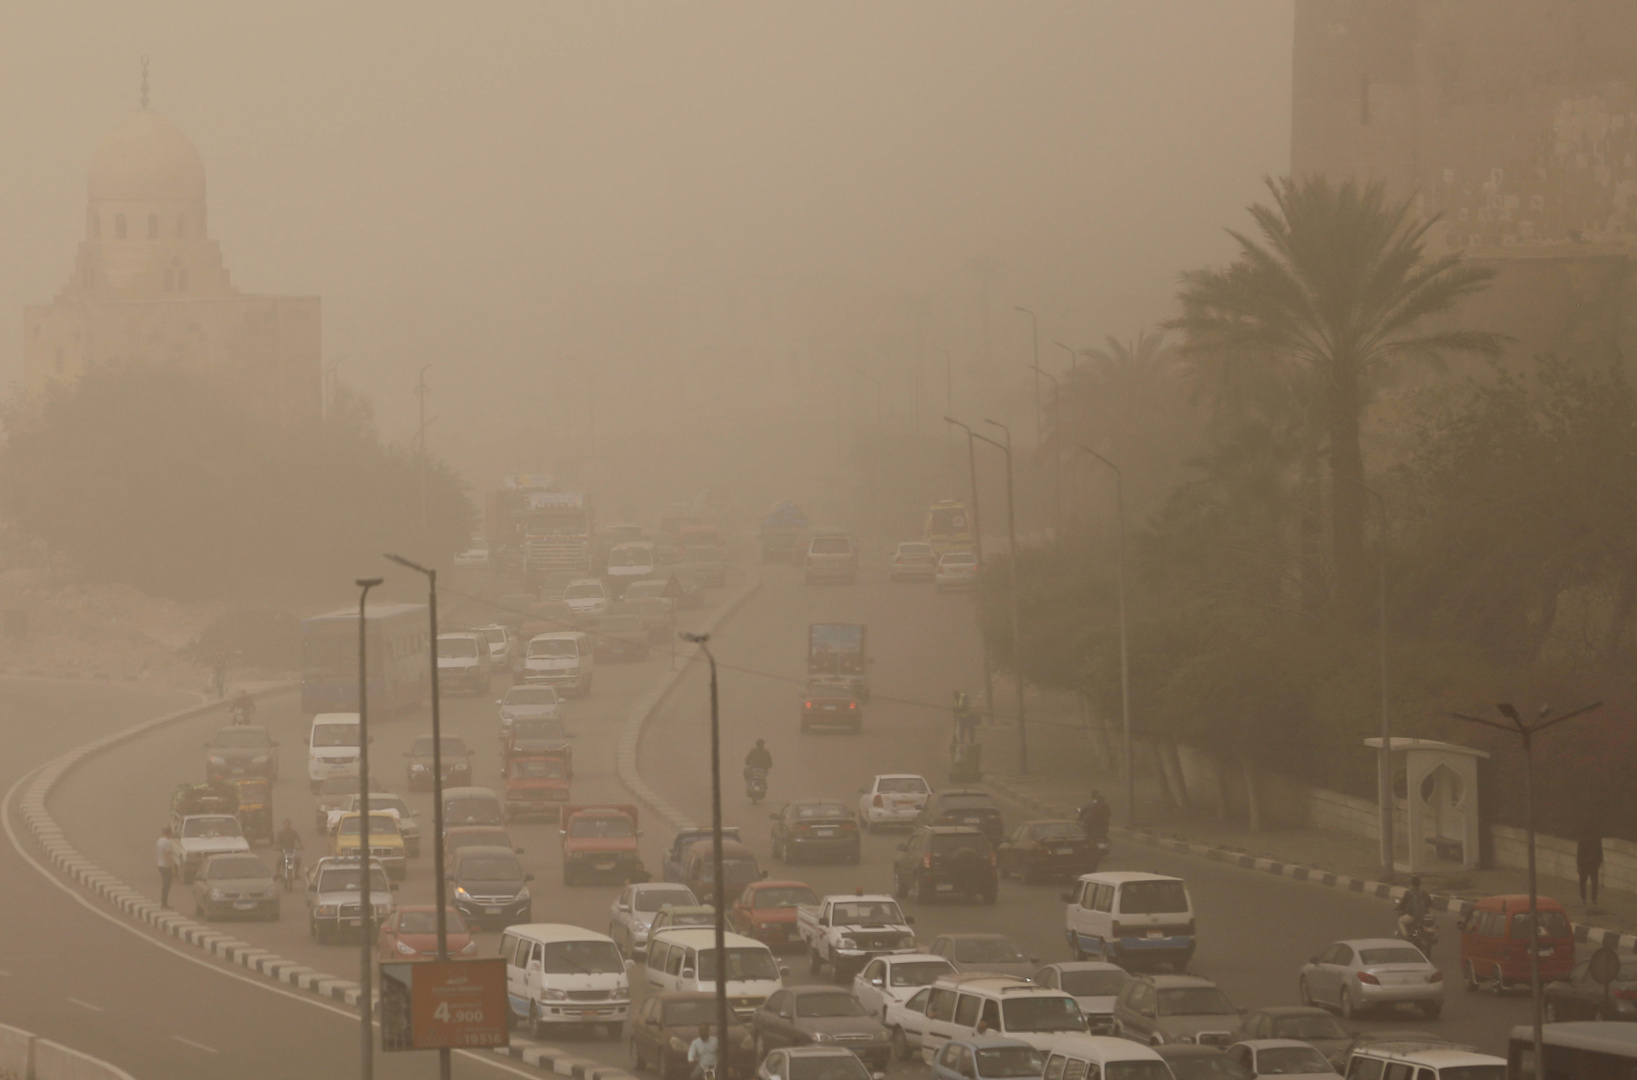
(1423, 937)
(241, 715)
(755, 785)
(290, 869)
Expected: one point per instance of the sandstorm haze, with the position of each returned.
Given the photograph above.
(717, 211)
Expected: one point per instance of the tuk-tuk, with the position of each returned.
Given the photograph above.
(1495, 942)
(216, 797)
(255, 808)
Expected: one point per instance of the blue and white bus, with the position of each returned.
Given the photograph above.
(399, 676)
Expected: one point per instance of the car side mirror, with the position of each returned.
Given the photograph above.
(1067, 898)
(863, 791)
(784, 971)
(909, 920)
(687, 973)
(773, 817)
(393, 885)
(528, 877)
(878, 981)
(518, 850)
(497, 701)
(1034, 959)
(1312, 959)
(903, 847)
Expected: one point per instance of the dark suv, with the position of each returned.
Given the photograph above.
(946, 860)
(964, 806)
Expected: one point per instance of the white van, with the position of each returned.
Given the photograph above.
(1106, 1057)
(686, 960)
(332, 747)
(464, 662)
(630, 562)
(1130, 918)
(561, 659)
(1012, 1008)
(558, 974)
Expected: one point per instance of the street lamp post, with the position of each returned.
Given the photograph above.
(1384, 760)
(1526, 736)
(977, 550)
(1125, 653)
(1074, 357)
(1034, 324)
(444, 1062)
(1057, 440)
(1017, 641)
(366, 912)
(720, 900)
(420, 395)
(875, 455)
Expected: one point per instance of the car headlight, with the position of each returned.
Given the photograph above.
(470, 949)
(417, 767)
(407, 950)
(906, 941)
(823, 1036)
(215, 894)
(461, 893)
(522, 896)
(259, 759)
(848, 943)
(1182, 1039)
(552, 994)
(328, 909)
(217, 759)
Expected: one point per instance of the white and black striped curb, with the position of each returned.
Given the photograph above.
(648, 705)
(1381, 890)
(66, 858)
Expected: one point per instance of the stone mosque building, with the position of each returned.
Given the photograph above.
(149, 285)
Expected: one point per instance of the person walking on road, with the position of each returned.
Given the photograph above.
(1095, 816)
(1588, 861)
(966, 719)
(167, 865)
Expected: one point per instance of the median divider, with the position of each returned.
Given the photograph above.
(26, 1056)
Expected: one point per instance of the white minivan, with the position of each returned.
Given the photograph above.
(1130, 918)
(1008, 1007)
(558, 974)
(1103, 1056)
(686, 960)
(561, 658)
(332, 747)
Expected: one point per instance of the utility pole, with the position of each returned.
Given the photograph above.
(366, 911)
(977, 550)
(420, 439)
(1125, 654)
(1017, 639)
(1057, 442)
(720, 901)
(1384, 760)
(1034, 333)
(1526, 736)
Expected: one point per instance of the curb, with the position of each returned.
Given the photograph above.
(1381, 890)
(649, 704)
(49, 835)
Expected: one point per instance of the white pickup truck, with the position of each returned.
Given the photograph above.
(848, 931)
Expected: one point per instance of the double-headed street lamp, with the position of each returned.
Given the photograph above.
(1125, 656)
(1074, 357)
(366, 913)
(444, 1065)
(719, 901)
(977, 550)
(1017, 642)
(1384, 760)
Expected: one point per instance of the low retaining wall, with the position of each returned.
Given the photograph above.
(26, 1056)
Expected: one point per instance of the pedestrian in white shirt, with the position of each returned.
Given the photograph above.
(167, 865)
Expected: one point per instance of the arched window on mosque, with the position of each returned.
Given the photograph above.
(153, 226)
(119, 227)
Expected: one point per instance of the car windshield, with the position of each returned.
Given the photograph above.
(1166, 897)
(654, 899)
(832, 545)
(1195, 1001)
(988, 951)
(426, 922)
(902, 785)
(490, 868)
(553, 647)
(621, 624)
(829, 1067)
(452, 744)
(1048, 1012)
(1092, 983)
(243, 867)
(1160, 1070)
(240, 739)
(539, 769)
(335, 735)
(828, 1003)
(1059, 830)
(1553, 924)
(1308, 1027)
(1290, 1061)
(531, 695)
(920, 973)
(537, 729)
(631, 557)
(494, 635)
(944, 843)
(743, 964)
(379, 825)
(689, 1013)
(1399, 955)
(821, 810)
(867, 911)
(208, 827)
(583, 958)
(472, 812)
(611, 826)
(348, 879)
(388, 802)
(456, 647)
(586, 591)
(1008, 1061)
(785, 896)
(691, 918)
(479, 838)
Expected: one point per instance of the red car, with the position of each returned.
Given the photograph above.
(766, 911)
(536, 785)
(411, 933)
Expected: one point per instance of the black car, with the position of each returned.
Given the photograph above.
(964, 806)
(946, 861)
(803, 1015)
(1041, 849)
(826, 704)
(1580, 997)
(457, 763)
(241, 750)
(816, 828)
(619, 637)
(489, 888)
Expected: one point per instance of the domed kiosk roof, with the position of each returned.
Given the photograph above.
(147, 158)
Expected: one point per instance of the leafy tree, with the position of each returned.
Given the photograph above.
(1338, 286)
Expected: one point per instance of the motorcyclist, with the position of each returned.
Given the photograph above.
(243, 708)
(760, 757)
(1413, 906)
(702, 1053)
(288, 842)
(1095, 816)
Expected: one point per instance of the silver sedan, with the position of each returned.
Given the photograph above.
(1356, 975)
(631, 915)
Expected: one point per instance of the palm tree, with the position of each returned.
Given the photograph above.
(1337, 286)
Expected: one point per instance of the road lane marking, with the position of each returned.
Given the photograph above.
(196, 1045)
(84, 1004)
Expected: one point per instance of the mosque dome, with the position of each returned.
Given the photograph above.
(147, 158)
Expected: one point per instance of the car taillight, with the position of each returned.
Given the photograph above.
(1368, 979)
(852, 704)
(991, 858)
(808, 705)
(850, 826)
(1626, 995)
(1114, 931)
(926, 861)
(878, 801)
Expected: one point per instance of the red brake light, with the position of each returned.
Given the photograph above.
(991, 858)
(926, 860)
(808, 705)
(852, 704)
(1366, 977)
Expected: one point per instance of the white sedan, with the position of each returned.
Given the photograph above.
(631, 915)
(1093, 983)
(892, 799)
(956, 570)
(890, 980)
(1290, 1059)
(1355, 975)
(906, 1023)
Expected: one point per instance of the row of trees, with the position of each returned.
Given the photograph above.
(1255, 430)
(161, 478)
